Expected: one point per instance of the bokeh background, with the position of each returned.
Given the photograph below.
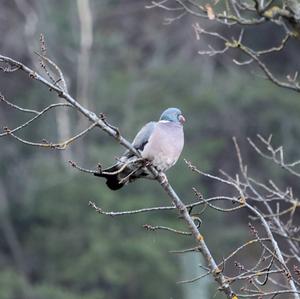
(121, 59)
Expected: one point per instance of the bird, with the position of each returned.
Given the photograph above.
(159, 143)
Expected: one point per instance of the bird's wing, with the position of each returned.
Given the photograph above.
(142, 137)
(140, 140)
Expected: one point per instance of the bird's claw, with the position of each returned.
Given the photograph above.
(147, 163)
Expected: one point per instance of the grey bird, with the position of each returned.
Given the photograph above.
(160, 143)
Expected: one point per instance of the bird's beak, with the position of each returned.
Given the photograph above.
(181, 119)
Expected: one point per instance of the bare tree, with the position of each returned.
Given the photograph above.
(271, 209)
(240, 15)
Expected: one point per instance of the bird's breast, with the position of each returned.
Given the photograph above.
(164, 146)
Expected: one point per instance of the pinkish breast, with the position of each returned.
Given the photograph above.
(165, 145)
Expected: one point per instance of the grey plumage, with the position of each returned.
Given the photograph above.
(142, 137)
(158, 142)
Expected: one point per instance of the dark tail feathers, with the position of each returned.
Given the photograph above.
(112, 181)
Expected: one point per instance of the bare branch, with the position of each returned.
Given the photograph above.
(159, 227)
(38, 115)
(45, 144)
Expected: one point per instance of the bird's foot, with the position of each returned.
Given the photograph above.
(146, 162)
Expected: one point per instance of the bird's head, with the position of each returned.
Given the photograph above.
(173, 115)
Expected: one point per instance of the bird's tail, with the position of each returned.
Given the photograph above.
(112, 177)
(122, 173)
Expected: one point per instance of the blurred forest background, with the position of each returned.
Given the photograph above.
(120, 59)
